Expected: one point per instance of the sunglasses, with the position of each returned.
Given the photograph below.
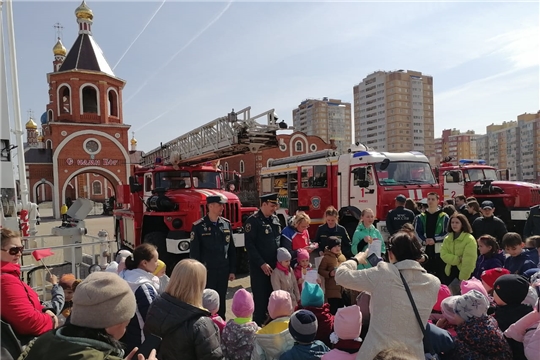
(15, 250)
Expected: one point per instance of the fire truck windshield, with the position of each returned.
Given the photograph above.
(405, 173)
(480, 174)
(185, 180)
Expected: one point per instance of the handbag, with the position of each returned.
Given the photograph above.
(426, 341)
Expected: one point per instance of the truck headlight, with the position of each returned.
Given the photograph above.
(183, 245)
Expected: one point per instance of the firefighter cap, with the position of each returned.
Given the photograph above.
(401, 198)
(271, 198)
(215, 199)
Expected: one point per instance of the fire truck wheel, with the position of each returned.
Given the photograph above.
(242, 261)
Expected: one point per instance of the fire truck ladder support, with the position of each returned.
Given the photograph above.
(236, 133)
(312, 156)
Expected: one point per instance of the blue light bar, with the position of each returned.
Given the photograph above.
(361, 153)
(472, 161)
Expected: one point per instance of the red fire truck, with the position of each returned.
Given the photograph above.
(473, 177)
(360, 178)
(167, 192)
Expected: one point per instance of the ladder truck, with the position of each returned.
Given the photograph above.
(167, 191)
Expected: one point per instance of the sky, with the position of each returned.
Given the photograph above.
(187, 63)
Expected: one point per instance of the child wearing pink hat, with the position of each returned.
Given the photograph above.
(346, 336)
(238, 335)
(302, 267)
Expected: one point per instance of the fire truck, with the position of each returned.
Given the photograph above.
(473, 177)
(361, 178)
(167, 192)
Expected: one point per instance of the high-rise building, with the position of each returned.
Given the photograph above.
(330, 119)
(393, 111)
(457, 145)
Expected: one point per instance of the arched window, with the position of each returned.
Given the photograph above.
(113, 103)
(50, 116)
(226, 169)
(268, 162)
(89, 100)
(48, 144)
(96, 188)
(299, 146)
(65, 100)
(242, 167)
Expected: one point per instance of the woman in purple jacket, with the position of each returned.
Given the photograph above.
(490, 255)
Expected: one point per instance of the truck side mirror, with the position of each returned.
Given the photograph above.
(360, 178)
(134, 186)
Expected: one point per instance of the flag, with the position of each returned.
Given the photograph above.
(41, 254)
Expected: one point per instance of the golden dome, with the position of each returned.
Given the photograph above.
(84, 12)
(31, 125)
(59, 48)
(40, 138)
(133, 141)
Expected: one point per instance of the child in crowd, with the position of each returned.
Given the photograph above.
(477, 335)
(346, 336)
(312, 299)
(509, 291)
(119, 263)
(532, 247)
(211, 303)
(274, 338)
(67, 283)
(490, 276)
(303, 328)
(327, 269)
(518, 262)
(57, 302)
(365, 234)
(283, 278)
(302, 267)
(490, 255)
(160, 273)
(238, 335)
(436, 312)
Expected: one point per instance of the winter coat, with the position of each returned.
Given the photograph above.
(507, 315)
(220, 323)
(54, 345)
(329, 263)
(480, 339)
(20, 306)
(185, 329)
(145, 287)
(272, 340)
(325, 321)
(483, 263)
(298, 274)
(519, 264)
(391, 310)
(460, 252)
(286, 282)
(237, 340)
(527, 331)
(313, 351)
(343, 350)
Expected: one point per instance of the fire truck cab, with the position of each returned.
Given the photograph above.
(360, 178)
(473, 177)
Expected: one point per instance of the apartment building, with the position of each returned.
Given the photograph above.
(393, 111)
(513, 145)
(329, 119)
(457, 145)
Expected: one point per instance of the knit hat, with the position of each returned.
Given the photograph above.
(472, 304)
(444, 292)
(102, 300)
(302, 254)
(348, 322)
(473, 284)
(283, 254)
(280, 304)
(491, 275)
(210, 300)
(511, 288)
(66, 281)
(312, 295)
(333, 241)
(303, 326)
(160, 266)
(242, 304)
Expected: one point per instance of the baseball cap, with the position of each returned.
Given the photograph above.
(487, 205)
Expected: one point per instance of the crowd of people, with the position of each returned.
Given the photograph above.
(449, 283)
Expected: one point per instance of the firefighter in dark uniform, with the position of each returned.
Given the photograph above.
(212, 244)
(262, 237)
(532, 225)
(399, 216)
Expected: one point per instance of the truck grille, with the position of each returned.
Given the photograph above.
(230, 212)
(535, 196)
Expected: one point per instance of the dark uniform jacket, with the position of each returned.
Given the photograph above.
(532, 225)
(262, 237)
(489, 226)
(324, 232)
(213, 245)
(397, 218)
